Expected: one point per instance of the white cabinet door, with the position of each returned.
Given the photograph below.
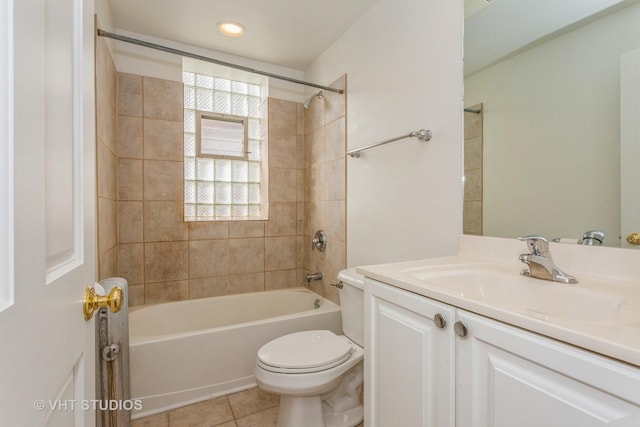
(47, 212)
(508, 377)
(409, 366)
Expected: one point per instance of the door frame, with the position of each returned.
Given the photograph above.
(629, 145)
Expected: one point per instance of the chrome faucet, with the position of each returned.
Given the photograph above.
(541, 265)
(592, 238)
(314, 276)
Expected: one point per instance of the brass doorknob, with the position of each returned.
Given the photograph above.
(93, 301)
(634, 238)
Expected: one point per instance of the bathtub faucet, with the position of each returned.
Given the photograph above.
(311, 277)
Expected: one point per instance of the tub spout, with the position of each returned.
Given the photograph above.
(311, 277)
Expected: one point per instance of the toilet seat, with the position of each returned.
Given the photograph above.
(304, 352)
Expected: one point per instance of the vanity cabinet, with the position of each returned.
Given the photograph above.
(409, 359)
(510, 377)
(495, 375)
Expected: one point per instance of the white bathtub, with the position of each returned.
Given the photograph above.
(188, 351)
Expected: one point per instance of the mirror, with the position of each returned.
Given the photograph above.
(542, 142)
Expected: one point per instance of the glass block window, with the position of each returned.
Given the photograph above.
(221, 188)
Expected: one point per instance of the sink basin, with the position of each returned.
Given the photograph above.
(553, 302)
(600, 313)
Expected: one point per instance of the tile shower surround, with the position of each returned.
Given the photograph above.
(325, 187)
(224, 257)
(473, 143)
(107, 161)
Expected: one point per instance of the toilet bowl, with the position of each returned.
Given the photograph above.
(319, 374)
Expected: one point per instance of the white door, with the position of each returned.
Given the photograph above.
(409, 367)
(509, 377)
(47, 212)
(629, 146)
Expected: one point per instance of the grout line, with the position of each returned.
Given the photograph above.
(144, 246)
(231, 408)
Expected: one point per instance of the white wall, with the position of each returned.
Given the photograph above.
(105, 17)
(403, 61)
(551, 132)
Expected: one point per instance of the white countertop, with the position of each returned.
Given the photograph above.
(601, 313)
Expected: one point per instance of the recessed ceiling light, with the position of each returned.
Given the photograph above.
(231, 29)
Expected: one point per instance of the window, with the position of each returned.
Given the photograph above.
(222, 149)
(221, 136)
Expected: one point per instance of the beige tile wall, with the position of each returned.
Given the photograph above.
(167, 259)
(472, 212)
(325, 187)
(106, 160)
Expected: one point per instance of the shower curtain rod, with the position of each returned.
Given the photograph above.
(166, 49)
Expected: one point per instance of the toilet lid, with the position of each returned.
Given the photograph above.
(305, 350)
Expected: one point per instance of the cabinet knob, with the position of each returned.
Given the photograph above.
(634, 238)
(460, 329)
(440, 321)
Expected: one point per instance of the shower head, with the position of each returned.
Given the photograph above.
(318, 95)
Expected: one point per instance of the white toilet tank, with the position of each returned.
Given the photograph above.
(352, 305)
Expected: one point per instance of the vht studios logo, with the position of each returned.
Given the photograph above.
(88, 405)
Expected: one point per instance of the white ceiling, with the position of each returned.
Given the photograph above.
(291, 33)
(494, 32)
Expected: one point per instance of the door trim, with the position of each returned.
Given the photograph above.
(6, 155)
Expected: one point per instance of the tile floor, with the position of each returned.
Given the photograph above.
(248, 408)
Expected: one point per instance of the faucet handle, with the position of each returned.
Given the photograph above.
(538, 245)
(319, 241)
(592, 238)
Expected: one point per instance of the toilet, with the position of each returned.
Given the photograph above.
(319, 374)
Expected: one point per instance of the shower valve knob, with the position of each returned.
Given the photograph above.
(319, 241)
